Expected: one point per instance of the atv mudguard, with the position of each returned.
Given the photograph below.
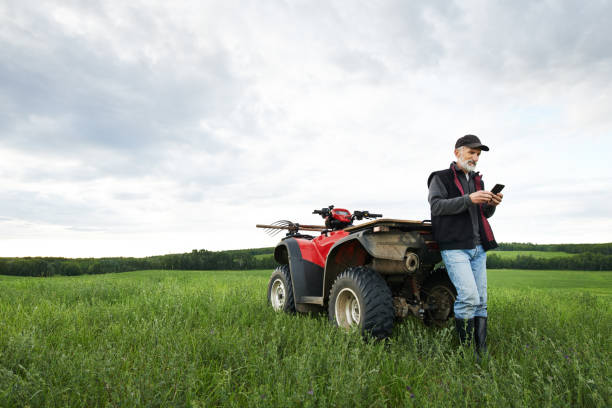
(311, 282)
(360, 247)
(306, 276)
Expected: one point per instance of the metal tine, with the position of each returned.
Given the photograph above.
(280, 223)
(272, 232)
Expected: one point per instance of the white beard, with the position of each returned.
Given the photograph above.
(466, 165)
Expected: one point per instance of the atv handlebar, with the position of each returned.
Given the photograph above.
(324, 212)
(359, 215)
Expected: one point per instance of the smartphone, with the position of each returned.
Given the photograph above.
(497, 188)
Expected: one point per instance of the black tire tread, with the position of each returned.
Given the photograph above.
(282, 271)
(377, 311)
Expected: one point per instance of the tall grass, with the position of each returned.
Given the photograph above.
(199, 339)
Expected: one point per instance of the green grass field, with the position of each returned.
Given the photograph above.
(595, 283)
(200, 339)
(535, 254)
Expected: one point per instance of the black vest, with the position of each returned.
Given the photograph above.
(455, 231)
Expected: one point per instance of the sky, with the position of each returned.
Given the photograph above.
(152, 127)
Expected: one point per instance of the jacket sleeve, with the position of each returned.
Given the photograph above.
(440, 204)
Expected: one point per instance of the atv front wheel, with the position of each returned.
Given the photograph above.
(440, 295)
(280, 292)
(360, 297)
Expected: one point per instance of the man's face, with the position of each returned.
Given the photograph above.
(467, 157)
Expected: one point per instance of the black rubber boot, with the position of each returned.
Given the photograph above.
(465, 328)
(480, 335)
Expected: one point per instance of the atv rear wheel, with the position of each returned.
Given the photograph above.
(360, 297)
(280, 291)
(439, 295)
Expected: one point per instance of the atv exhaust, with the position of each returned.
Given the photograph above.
(389, 266)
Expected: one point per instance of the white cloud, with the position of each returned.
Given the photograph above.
(154, 127)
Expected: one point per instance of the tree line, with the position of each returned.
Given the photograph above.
(244, 259)
(604, 249)
(588, 261)
(590, 257)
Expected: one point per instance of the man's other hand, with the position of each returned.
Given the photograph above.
(482, 197)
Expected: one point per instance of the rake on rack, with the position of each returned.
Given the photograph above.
(293, 227)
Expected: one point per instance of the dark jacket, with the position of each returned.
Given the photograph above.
(462, 224)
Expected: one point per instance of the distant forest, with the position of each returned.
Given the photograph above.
(604, 249)
(589, 257)
(241, 259)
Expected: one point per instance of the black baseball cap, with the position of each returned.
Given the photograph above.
(471, 141)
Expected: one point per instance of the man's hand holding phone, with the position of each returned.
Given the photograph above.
(493, 197)
(496, 195)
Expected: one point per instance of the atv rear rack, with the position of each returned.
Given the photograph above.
(386, 224)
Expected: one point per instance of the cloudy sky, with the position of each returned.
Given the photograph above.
(143, 128)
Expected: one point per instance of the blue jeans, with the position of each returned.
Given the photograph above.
(467, 269)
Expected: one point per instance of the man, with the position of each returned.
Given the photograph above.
(460, 207)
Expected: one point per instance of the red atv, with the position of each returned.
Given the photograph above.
(366, 275)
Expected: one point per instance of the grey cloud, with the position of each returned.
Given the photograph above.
(595, 210)
(125, 196)
(400, 31)
(55, 210)
(510, 39)
(191, 196)
(83, 173)
(361, 65)
(515, 38)
(410, 32)
(71, 95)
